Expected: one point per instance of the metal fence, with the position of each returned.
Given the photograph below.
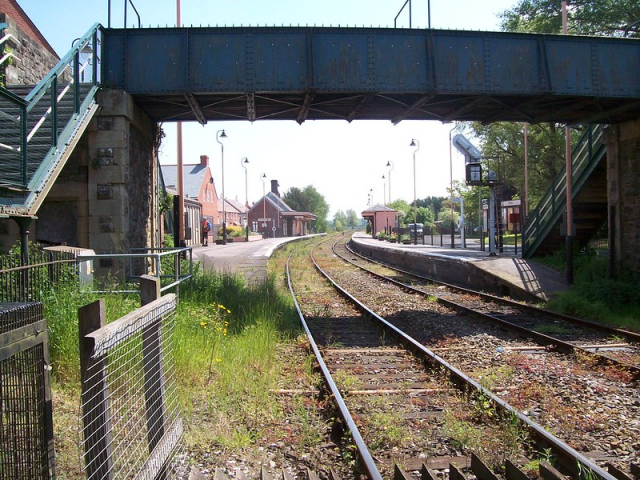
(26, 283)
(26, 427)
(131, 422)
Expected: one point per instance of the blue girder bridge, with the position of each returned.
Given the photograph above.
(314, 73)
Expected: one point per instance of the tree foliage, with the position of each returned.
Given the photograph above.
(309, 200)
(584, 17)
(353, 221)
(502, 143)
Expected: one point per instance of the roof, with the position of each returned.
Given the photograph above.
(276, 201)
(18, 15)
(235, 204)
(304, 215)
(192, 176)
(378, 208)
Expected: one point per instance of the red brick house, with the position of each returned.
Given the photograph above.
(272, 217)
(235, 211)
(198, 186)
(381, 217)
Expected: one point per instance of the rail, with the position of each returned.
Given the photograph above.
(26, 283)
(363, 451)
(125, 13)
(568, 457)
(152, 264)
(587, 151)
(45, 118)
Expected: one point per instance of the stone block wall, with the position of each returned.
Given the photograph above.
(623, 157)
(33, 61)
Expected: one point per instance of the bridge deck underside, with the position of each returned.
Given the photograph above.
(308, 73)
(385, 106)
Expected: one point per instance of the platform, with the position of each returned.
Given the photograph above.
(504, 274)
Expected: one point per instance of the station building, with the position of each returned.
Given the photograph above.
(381, 218)
(272, 217)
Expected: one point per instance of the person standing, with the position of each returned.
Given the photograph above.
(206, 227)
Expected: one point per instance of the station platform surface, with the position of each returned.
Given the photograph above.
(250, 259)
(246, 258)
(538, 280)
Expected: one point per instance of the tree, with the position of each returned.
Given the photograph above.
(424, 216)
(585, 17)
(339, 221)
(403, 209)
(353, 221)
(309, 200)
(502, 143)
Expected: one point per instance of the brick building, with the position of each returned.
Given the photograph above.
(272, 217)
(33, 57)
(198, 186)
(381, 217)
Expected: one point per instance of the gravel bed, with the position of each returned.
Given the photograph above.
(596, 411)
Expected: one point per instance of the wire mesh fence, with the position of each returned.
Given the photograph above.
(27, 283)
(131, 421)
(26, 433)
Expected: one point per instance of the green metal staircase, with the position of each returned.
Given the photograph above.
(40, 126)
(543, 232)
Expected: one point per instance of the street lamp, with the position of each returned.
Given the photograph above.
(371, 192)
(415, 143)
(384, 194)
(246, 196)
(220, 134)
(264, 199)
(390, 165)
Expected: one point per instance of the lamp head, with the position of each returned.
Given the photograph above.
(413, 143)
(246, 160)
(388, 163)
(264, 175)
(223, 135)
(383, 177)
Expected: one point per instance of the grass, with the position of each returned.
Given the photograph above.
(594, 295)
(234, 345)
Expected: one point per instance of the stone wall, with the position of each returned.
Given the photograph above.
(623, 157)
(33, 61)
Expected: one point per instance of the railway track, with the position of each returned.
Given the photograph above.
(551, 331)
(407, 413)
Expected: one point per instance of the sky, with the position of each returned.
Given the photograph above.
(344, 161)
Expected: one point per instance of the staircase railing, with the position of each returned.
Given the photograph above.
(35, 127)
(585, 156)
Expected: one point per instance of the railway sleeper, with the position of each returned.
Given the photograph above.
(466, 468)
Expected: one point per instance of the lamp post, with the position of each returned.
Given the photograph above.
(384, 192)
(220, 134)
(415, 143)
(264, 200)
(390, 165)
(246, 196)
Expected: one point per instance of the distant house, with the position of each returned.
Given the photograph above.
(272, 217)
(198, 186)
(381, 217)
(235, 211)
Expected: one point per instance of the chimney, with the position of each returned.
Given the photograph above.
(204, 160)
(274, 187)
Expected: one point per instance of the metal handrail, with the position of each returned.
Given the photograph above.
(554, 199)
(155, 254)
(125, 13)
(65, 78)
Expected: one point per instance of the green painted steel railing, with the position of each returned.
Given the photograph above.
(33, 129)
(585, 157)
